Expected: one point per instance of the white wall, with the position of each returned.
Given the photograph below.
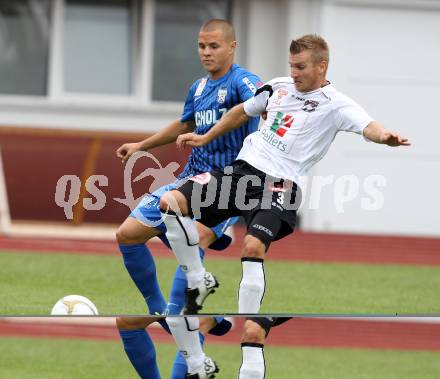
(384, 54)
(266, 52)
(385, 57)
(71, 114)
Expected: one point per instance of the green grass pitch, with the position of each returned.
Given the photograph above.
(32, 283)
(24, 358)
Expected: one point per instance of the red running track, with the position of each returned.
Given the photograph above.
(299, 332)
(306, 247)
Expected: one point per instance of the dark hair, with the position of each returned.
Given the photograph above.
(219, 24)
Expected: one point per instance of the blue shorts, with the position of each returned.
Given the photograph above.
(148, 213)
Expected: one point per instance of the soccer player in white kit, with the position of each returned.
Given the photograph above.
(304, 114)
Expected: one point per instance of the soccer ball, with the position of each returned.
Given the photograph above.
(74, 305)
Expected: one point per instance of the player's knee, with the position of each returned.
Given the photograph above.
(253, 333)
(175, 201)
(123, 323)
(130, 232)
(121, 237)
(125, 237)
(163, 204)
(132, 323)
(253, 248)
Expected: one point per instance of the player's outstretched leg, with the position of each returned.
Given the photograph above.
(252, 348)
(255, 332)
(183, 237)
(262, 230)
(138, 346)
(180, 368)
(185, 331)
(217, 326)
(139, 262)
(252, 284)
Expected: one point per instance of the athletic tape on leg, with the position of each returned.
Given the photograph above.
(252, 286)
(185, 331)
(183, 237)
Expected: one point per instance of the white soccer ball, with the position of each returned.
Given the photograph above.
(74, 305)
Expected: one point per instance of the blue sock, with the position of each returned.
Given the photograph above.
(180, 367)
(142, 269)
(176, 301)
(140, 350)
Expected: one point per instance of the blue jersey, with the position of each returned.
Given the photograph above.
(205, 104)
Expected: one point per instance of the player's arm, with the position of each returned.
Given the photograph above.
(377, 133)
(166, 135)
(163, 137)
(233, 119)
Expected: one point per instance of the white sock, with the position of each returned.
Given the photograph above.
(185, 331)
(183, 237)
(252, 285)
(252, 366)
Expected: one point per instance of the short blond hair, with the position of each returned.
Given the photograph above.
(313, 43)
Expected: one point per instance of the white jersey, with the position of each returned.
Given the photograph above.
(299, 128)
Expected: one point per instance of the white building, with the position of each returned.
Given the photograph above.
(126, 64)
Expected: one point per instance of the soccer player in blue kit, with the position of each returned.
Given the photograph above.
(208, 99)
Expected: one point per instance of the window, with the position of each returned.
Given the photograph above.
(98, 46)
(176, 63)
(103, 50)
(24, 46)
